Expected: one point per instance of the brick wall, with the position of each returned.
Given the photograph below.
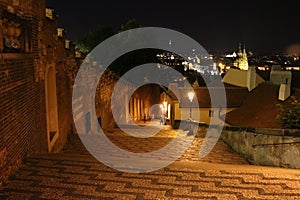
(64, 106)
(22, 87)
(28, 7)
(23, 122)
(52, 51)
(66, 66)
(20, 108)
(22, 114)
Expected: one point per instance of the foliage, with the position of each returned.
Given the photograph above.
(130, 24)
(125, 62)
(289, 116)
(101, 32)
(93, 38)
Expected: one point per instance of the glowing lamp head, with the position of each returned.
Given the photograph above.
(191, 96)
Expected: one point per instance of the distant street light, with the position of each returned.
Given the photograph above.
(191, 96)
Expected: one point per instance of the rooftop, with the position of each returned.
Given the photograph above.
(259, 108)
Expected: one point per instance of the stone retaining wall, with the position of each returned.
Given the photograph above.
(260, 146)
(269, 147)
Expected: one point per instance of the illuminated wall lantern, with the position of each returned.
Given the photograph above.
(60, 32)
(67, 44)
(49, 13)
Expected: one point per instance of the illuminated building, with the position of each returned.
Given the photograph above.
(241, 61)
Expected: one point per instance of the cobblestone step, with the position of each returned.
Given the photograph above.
(222, 174)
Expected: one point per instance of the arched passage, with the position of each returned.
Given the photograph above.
(51, 107)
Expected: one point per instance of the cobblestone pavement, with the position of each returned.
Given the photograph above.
(222, 174)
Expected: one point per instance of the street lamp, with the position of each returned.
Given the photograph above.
(191, 96)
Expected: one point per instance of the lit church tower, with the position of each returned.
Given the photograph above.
(241, 60)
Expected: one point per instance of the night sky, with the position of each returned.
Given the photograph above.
(265, 28)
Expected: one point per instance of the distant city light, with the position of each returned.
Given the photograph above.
(233, 55)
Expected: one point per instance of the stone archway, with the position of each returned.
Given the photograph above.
(51, 107)
(143, 101)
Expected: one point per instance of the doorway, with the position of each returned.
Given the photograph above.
(51, 107)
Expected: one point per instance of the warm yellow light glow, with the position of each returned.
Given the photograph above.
(191, 96)
(60, 32)
(292, 68)
(165, 104)
(169, 111)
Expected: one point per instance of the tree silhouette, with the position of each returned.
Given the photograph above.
(101, 32)
(130, 24)
(94, 37)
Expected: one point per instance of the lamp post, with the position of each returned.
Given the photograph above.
(191, 96)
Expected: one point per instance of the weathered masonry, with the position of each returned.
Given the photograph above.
(36, 68)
